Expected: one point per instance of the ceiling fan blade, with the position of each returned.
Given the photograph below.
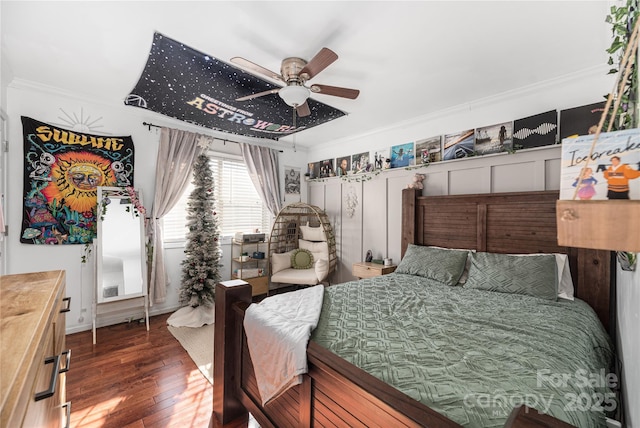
(335, 91)
(303, 110)
(259, 94)
(257, 68)
(322, 60)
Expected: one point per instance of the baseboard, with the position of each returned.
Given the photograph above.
(118, 318)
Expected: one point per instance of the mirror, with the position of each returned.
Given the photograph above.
(120, 256)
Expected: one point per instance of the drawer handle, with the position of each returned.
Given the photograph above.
(68, 308)
(54, 378)
(67, 406)
(67, 354)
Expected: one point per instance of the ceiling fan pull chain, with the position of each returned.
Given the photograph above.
(294, 129)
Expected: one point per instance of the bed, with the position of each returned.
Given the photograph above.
(359, 389)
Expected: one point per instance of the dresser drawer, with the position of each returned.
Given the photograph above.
(369, 270)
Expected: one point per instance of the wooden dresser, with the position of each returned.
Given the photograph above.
(33, 357)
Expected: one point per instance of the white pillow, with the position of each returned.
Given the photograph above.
(312, 233)
(320, 250)
(565, 283)
(280, 261)
(322, 269)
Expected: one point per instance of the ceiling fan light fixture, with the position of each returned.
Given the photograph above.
(294, 95)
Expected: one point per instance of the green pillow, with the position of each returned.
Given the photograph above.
(442, 265)
(301, 259)
(535, 275)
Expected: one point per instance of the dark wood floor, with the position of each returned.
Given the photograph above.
(133, 378)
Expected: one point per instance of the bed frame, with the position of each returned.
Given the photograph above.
(335, 392)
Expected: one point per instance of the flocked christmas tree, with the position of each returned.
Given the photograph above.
(201, 266)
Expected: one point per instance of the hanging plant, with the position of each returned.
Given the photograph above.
(623, 19)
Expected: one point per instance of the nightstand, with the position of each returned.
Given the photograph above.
(369, 270)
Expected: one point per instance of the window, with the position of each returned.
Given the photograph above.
(238, 205)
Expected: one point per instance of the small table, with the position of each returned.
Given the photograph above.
(369, 270)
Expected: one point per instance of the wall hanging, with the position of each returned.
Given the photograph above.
(181, 82)
(62, 171)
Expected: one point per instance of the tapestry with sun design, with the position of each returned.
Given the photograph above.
(62, 171)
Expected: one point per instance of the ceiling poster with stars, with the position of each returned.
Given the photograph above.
(181, 82)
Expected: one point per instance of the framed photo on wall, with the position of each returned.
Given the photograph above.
(581, 120)
(326, 168)
(291, 180)
(536, 131)
(458, 145)
(380, 158)
(494, 139)
(313, 170)
(360, 162)
(402, 155)
(429, 150)
(343, 165)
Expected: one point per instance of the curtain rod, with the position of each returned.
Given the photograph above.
(149, 125)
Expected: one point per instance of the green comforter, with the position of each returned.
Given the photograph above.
(472, 355)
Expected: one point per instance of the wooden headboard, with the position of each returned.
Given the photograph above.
(522, 222)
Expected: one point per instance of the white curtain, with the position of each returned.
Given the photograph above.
(176, 154)
(262, 164)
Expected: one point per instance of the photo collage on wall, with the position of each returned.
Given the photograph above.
(544, 129)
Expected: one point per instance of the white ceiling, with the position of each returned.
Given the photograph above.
(408, 59)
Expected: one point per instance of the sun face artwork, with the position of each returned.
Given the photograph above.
(62, 172)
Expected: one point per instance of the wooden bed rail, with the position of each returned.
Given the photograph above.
(227, 342)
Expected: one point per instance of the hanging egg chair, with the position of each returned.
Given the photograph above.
(302, 247)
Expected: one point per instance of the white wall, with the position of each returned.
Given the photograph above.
(628, 341)
(50, 105)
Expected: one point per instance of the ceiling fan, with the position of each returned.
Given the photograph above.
(295, 72)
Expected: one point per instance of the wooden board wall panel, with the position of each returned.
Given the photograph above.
(607, 225)
(502, 177)
(374, 220)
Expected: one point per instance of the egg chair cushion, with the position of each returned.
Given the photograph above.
(301, 259)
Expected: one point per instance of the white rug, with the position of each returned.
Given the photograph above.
(198, 342)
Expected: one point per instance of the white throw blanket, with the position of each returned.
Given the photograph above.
(278, 330)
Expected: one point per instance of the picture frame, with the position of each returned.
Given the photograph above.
(458, 145)
(402, 155)
(582, 120)
(343, 165)
(313, 170)
(326, 169)
(380, 158)
(536, 131)
(429, 150)
(493, 139)
(360, 163)
(291, 180)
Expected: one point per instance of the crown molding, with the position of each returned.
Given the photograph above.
(151, 116)
(594, 71)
